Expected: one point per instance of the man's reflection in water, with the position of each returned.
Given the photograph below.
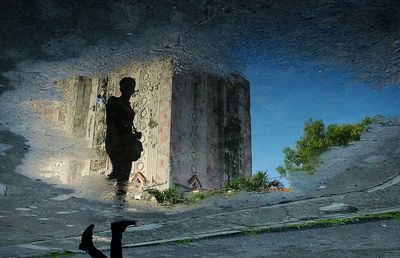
(121, 136)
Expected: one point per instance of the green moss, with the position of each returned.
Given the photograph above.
(329, 222)
(251, 232)
(183, 242)
(390, 215)
(338, 222)
(397, 218)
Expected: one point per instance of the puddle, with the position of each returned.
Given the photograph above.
(85, 177)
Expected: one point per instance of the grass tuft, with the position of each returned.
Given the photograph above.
(183, 242)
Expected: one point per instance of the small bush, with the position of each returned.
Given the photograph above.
(259, 181)
(238, 183)
(196, 197)
(256, 183)
(159, 195)
(172, 196)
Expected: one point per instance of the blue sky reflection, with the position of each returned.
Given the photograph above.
(284, 96)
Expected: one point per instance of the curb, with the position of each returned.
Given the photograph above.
(262, 228)
(311, 222)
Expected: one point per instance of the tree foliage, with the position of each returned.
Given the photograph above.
(317, 139)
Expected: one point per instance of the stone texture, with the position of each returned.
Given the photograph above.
(195, 126)
(210, 123)
(38, 218)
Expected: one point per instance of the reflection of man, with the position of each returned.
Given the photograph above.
(120, 140)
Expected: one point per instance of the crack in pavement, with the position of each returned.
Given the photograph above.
(390, 182)
(199, 22)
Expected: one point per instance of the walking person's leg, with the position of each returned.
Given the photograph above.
(115, 168)
(117, 229)
(87, 243)
(124, 170)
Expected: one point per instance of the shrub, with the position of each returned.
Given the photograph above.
(172, 196)
(160, 197)
(238, 183)
(196, 197)
(258, 182)
(317, 139)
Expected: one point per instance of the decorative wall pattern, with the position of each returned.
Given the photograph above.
(195, 127)
(141, 109)
(210, 121)
(194, 132)
(100, 116)
(145, 105)
(99, 128)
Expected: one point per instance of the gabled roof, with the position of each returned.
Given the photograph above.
(194, 182)
(139, 178)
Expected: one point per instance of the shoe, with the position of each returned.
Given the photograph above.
(111, 176)
(120, 226)
(86, 239)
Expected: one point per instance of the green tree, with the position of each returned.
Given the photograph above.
(317, 139)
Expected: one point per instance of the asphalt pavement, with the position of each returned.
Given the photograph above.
(36, 220)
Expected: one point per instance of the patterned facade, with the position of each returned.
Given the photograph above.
(196, 127)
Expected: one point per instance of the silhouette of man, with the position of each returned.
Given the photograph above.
(117, 228)
(120, 139)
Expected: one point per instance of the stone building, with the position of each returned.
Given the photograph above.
(196, 126)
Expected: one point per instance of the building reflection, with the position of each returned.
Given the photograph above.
(195, 127)
(68, 171)
(84, 173)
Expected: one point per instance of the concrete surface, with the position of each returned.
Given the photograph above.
(43, 41)
(33, 222)
(370, 239)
